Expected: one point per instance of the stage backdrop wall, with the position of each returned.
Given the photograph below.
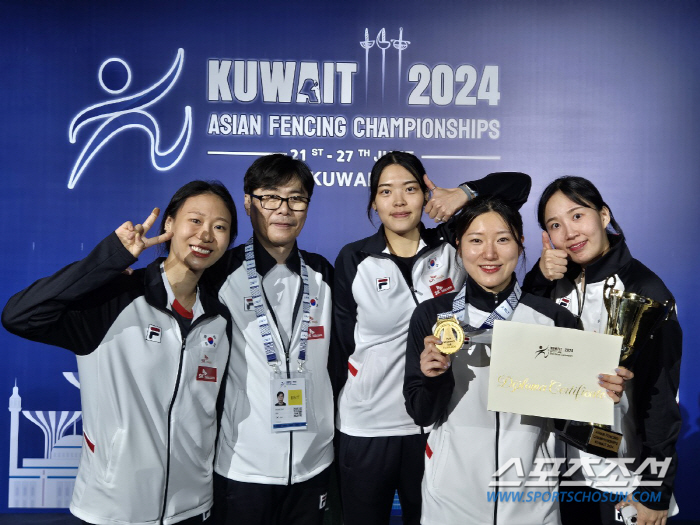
(108, 107)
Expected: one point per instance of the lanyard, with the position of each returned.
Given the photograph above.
(263, 323)
(503, 311)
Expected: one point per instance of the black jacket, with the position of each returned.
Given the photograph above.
(652, 422)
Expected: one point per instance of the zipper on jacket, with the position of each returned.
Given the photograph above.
(497, 492)
(289, 375)
(581, 300)
(413, 294)
(286, 349)
(409, 282)
(205, 315)
(170, 412)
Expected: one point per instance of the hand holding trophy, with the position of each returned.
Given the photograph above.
(635, 318)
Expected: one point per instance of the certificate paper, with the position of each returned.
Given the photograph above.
(551, 372)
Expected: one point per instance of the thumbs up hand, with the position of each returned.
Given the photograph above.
(552, 262)
(443, 202)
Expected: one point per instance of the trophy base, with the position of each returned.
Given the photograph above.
(597, 440)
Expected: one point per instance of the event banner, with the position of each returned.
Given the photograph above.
(108, 108)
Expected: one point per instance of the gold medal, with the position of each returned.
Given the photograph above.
(450, 333)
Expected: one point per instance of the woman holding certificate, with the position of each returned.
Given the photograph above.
(378, 283)
(469, 443)
(583, 249)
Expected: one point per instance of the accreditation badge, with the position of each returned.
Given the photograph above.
(288, 403)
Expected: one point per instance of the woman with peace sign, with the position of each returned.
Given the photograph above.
(152, 348)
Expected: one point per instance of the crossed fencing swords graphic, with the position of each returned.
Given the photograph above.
(382, 43)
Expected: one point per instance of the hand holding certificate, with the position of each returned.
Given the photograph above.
(551, 372)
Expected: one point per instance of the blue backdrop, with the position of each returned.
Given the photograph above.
(107, 108)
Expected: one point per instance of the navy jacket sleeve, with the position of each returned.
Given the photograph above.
(658, 417)
(344, 319)
(72, 308)
(536, 283)
(426, 397)
(512, 187)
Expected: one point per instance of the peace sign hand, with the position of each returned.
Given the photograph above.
(133, 237)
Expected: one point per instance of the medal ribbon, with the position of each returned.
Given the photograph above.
(263, 323)
(503, 311)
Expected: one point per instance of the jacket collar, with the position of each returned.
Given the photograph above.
(483, 300)
(153, 285)
(609, 264)
(376, 244)
(157, 296)
(264, 262)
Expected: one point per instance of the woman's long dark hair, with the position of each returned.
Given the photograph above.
(581, 191)
(406, 160)
(484, 204)
(192, 189)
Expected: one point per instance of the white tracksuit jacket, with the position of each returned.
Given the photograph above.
(148, 396)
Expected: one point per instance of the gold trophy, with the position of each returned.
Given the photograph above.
(635, 318)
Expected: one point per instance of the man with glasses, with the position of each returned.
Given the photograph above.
(273, 461)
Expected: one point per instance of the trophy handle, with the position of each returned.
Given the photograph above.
(607, 287)
(670, 305)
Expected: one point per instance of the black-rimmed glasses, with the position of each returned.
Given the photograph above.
(273, 202)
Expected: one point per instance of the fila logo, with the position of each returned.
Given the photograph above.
(322, 501)
(564, 302)
(153, 333)
(442, 287)
(248, 305)
(383, 283)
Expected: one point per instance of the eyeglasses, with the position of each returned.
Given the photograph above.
(273, 202)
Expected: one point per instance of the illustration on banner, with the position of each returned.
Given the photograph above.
(45, 482)
(126, 113)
